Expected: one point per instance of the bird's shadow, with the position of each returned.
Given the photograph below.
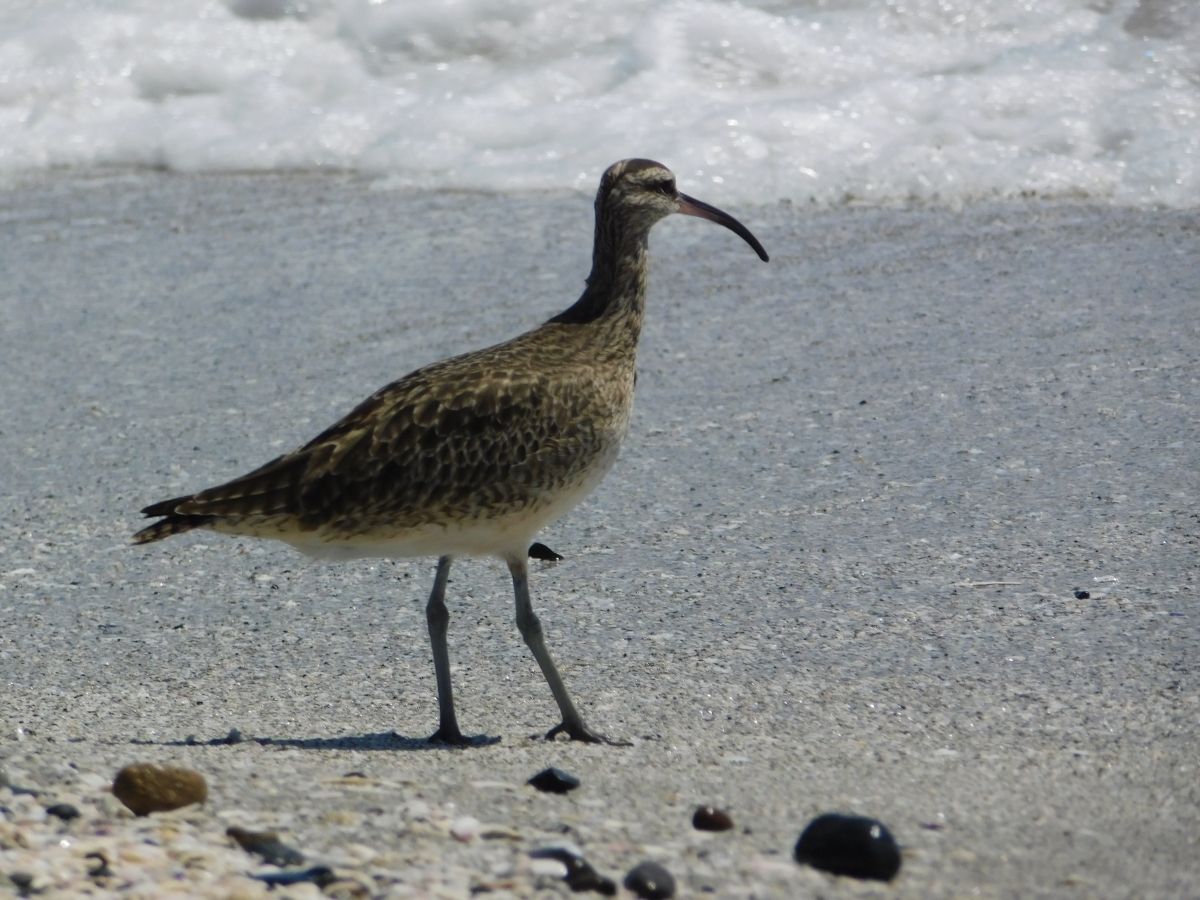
(383, 740)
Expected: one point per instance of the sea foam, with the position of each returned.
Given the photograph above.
(875, 101)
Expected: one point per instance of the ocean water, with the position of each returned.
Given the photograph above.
(826, 101)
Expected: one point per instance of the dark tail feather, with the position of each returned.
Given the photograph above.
(164, 507)
(169, 526)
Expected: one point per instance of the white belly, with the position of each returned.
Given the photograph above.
(501, 535)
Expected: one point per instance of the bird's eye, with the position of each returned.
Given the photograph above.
(666, 186)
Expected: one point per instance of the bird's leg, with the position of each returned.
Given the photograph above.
(531, 631)
(438, 618)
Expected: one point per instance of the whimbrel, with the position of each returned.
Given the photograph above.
(474, 454)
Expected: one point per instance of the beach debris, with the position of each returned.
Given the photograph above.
(541, 551)
(64, 811)
(267, 845)
(709, 818)
(1083, 595)
(554, 781)
(650, 881)
(100, 871)
(849, 845)
(149, 787)
(580, 874)
(321, 876)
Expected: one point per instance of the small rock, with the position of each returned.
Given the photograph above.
(318, 875)
(234, 737)
(554, 781)
(541, 551)
(1082, 595)
(849, 845)
(64, 811)
(23, 882)
(551, 868)
(147, 788)
(580, 874)
(650, 881)
(267, 845)
(708, 818)
(465, 829)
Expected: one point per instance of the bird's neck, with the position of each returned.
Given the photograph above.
(615, 297)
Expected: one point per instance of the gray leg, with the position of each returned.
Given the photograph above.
(531, 631)
(438, 618)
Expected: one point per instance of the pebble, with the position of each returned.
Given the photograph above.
(267, 845)
(64, 811)
(650, 881)
(147, 788)
(541, 551)
(1082, 595)
(849, 845)
(580, 874)
(465, 829)
(554, 781)
(708, 818)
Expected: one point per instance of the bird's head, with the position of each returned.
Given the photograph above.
(640, 192)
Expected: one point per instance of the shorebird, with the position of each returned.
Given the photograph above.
(475, 454)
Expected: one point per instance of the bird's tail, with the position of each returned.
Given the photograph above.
(174, 523)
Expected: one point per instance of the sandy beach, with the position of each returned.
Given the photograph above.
(905, 526)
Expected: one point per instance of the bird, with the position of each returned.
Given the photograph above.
(475, 454)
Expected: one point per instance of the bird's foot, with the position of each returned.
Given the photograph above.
(452, 737)
(580, 732)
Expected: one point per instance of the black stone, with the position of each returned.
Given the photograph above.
(318, 875)
(708, 818)
(554, 781)
(849, 845)
(267, 845)
(64, 811)
(23, 881)
(580, 874)
(650, 881)
(541, 551)
(1082, 595)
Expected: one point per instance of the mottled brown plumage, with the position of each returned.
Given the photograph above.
(474, 454)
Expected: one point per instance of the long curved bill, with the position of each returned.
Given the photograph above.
(690, 206)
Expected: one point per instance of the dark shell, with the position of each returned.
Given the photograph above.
(708, 818)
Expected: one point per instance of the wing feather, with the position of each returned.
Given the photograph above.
(448, 440)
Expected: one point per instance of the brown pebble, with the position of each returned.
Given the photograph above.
(708, 818)
(148, 787)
